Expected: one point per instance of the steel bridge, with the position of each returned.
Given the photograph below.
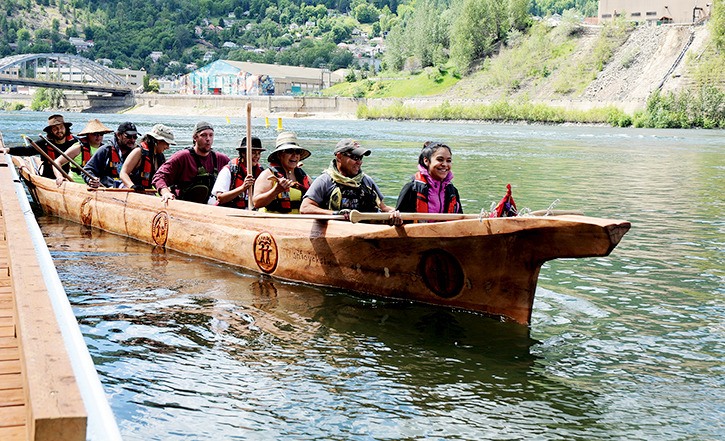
(61, 71)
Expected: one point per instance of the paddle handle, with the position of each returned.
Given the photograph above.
(47, 158)
(250, 204)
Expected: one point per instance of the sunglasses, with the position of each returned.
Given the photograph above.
(130, 136)
(295, 151)
(353, 156)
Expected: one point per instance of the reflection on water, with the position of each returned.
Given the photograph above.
(627, 346)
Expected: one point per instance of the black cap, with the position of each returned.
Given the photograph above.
(128, 128)
(256, 144)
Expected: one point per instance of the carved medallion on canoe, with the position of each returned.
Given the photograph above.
(265, 252)
(160, 228)
(87, 212)
(442, 273)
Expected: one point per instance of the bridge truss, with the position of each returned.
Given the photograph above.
(62, 71)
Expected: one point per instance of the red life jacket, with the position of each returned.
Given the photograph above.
(238, 171)
(420, 185)
(85, 151)
(146, 168)
(114, 163)
(283, 204)
(69, 140)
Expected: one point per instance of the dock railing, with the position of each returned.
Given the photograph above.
(64, 396)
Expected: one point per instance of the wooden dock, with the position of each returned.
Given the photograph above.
(39, 396)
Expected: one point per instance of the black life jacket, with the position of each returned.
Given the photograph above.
(361, 198)
(199, 189)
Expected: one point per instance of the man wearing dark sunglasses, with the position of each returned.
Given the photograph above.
(105, 165)
(343, 186)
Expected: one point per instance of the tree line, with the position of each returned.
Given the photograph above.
(296, 32)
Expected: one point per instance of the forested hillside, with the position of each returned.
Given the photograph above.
(185, 33)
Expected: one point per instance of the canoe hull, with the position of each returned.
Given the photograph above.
(489, 266)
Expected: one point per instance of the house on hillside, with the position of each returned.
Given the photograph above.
(226, 77)
(654, 11)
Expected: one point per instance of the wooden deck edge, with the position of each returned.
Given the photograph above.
(55, 407)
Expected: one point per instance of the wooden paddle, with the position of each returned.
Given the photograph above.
(121, 190)
(356, 216)
(262, 215)
(250, 191)
(47, 157)
(70, 160)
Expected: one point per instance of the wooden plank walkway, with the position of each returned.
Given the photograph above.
(12, 393)
(39, 396)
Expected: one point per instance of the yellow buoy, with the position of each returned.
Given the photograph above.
(279, 123)
(266, 121)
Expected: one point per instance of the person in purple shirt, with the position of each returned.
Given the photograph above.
(431, 189)
(189, 174)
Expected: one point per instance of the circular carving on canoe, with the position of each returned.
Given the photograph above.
(87, 212)
(265, 252)
(442, 273)
(160, 228)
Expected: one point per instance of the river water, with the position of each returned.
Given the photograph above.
(624, 347)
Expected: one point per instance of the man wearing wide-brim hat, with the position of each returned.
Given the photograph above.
(90, 139)
(343, 186)
(231, 188)
(57, 133)
(280, 188)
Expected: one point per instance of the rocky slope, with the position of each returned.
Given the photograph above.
(651, 57)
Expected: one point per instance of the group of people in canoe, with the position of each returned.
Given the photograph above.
(203, 175)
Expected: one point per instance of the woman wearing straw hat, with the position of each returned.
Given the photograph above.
(141, 164)
(280, 188)
(89, 140)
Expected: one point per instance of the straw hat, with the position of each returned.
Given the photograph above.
(288, 141)
(94, 126)
(161, 132)
(54, 120)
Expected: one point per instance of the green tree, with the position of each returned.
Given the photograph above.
(474, 32)
(717, 23)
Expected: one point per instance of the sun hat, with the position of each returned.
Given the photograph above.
(288, 141)
(256, 144)
(54, 120)
(94, 126)
(349, 145)
(161, 132)
(127, 128)
(201, 126)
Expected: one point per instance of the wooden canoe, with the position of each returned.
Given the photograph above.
(490, 266)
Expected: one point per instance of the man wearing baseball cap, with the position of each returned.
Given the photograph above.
(189, 174)
(105, 165)
(343, 186)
